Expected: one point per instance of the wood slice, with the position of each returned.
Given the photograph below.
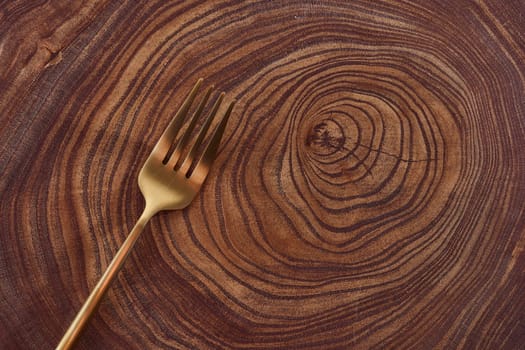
(369, 191)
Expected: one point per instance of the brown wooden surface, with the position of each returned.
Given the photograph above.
(369, 192)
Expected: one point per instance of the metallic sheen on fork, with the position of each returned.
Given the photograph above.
(165, 185)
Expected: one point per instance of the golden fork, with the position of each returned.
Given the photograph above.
(165, 185)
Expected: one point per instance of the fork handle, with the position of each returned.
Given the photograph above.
(102, 286)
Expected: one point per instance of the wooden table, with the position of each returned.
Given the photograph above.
(369, 192)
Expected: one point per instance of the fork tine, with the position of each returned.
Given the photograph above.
(191, 154)
(202, 168)
(163, 145)
(183, 141)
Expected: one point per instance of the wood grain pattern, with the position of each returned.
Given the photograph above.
(369, 191)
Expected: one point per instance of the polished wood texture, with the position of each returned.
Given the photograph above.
(369, 192)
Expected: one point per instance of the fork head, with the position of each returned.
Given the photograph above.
(172, 175)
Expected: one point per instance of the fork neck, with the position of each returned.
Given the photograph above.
(148, 212)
